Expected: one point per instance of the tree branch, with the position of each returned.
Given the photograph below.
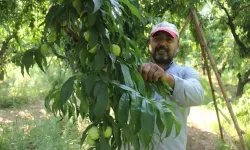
(231, 25)
(72, 34)
(56, 53)
(244, 7)
(5, 44)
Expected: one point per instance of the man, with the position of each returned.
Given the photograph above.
(185, 82)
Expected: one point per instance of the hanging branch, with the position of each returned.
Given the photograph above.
(5, 45)
(72, 34)
(203, 42)
(243, 49)
(244, 7)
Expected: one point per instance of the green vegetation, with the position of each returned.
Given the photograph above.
(40, 134)
(87, 53)
(17, 89)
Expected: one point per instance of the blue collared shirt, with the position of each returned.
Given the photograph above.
(187, 92)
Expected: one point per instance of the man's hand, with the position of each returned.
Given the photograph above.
(152, 73)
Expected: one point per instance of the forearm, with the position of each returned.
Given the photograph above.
(187, 92)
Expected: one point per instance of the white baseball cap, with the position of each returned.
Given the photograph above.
(167, 27)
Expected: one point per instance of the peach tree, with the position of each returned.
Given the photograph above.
(102, 42)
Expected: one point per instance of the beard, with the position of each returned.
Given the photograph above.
(162, 55)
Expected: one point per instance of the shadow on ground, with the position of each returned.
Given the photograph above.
(199, 139)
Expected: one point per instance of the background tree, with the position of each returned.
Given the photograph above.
(20, 26)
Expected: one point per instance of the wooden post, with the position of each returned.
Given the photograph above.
(212, 90)
(203, 42)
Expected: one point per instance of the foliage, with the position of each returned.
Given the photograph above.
(17, 90)
(40, 134)
(101, 77)
(243, 108)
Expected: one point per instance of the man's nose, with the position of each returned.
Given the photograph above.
(162, 43)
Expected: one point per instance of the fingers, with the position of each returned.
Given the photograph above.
(145, 70)
(151, 72)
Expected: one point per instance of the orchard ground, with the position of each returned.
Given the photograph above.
(200, 124)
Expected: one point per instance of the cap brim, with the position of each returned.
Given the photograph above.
(164, 30)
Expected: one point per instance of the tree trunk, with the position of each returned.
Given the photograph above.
(240, 86)
(242, 80)
(1, 75)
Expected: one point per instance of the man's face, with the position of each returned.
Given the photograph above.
(163, 47)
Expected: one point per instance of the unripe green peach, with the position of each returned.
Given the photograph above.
(94, 133)
(90, 141)
(108, 132)
(116, 50)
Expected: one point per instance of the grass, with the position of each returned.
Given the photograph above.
(41, 134)
(17, 89)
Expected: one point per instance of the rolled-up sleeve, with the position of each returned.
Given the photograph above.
(188, 90)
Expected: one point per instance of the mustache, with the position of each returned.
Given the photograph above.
(162, 48)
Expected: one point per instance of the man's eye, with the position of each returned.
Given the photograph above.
(158, 38)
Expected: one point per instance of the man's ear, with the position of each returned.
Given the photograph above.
(178, 46)
(149, 48)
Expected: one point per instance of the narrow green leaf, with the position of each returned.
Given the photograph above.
(104, 76)
(39, 59)
(88, 82)
(84, 105)
(104, 144)
(52, 94)
(147, 121)
(27, 59)
(84, 134)
(101, 102)
(132, 8)
(139, 82)
(99, 60)
(93, 38)
(123, 110)
(67, 89)
(126, 76)
(117, 142)
(105, 43)
(166, 118)
(97, 89)
(135, 113)
(177, 127)
(135, 141)
(113, 59)
(22, 69)
(159, 123)
(125, 87)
